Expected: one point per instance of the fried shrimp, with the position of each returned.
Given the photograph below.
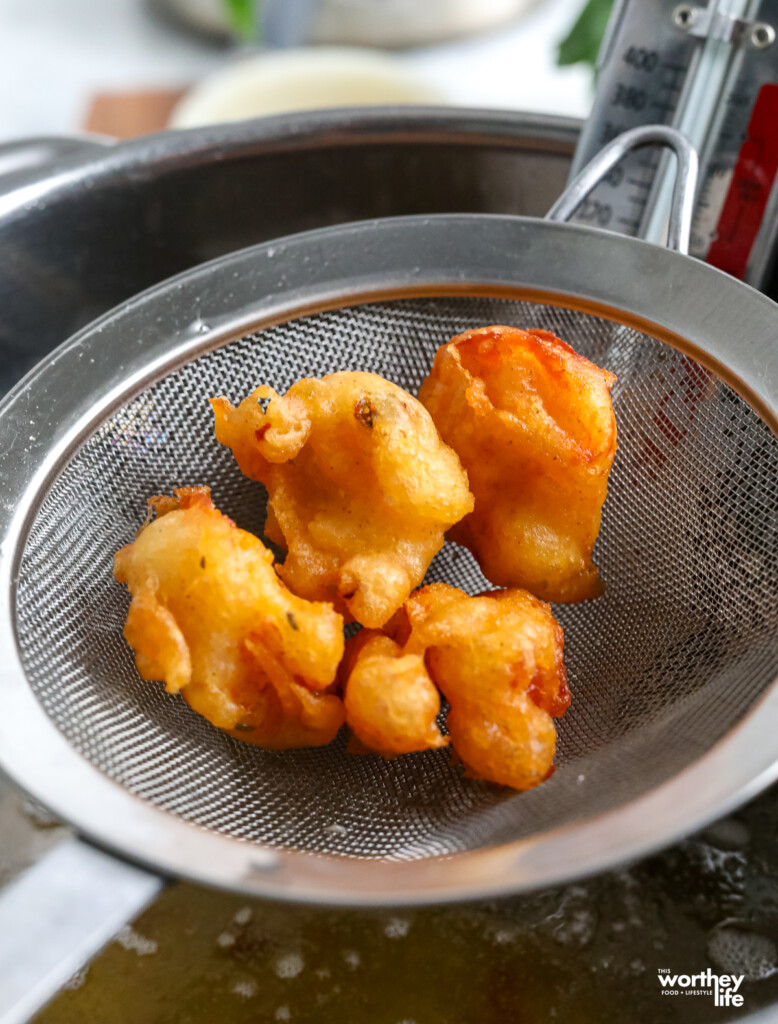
(361, 487)
(391, 702)
(210, 618)
(533, 425)
(497, 659)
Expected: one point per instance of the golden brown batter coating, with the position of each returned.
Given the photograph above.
(499, 641)
(497, 658)
(533, 424)
(391, 702)
(361, 488)
(210, 618)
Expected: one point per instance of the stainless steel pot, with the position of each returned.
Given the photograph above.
(99, 223)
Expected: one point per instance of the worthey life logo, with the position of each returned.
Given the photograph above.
(723, 987)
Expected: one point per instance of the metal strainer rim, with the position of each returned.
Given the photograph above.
(675, 299)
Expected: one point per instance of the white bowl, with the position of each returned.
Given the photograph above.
(391, 23)
(277, 82)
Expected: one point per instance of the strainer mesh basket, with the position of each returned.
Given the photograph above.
(683, 643)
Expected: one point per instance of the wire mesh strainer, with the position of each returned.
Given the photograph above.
(672, 671)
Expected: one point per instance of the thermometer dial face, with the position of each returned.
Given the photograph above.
(712, 72)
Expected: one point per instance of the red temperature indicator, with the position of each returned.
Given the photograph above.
(752, 181)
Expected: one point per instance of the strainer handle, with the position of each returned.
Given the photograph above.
(59, 914)
(682, 206)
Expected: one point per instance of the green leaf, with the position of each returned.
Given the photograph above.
(583, 42)
(243, 17)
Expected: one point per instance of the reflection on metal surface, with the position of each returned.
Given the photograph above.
(89, 233)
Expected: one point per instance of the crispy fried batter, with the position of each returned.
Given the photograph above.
(486, 645)
(209, 617)
(361, 488)
(391, 702)
(497, 658)
(533, 424)
(511, 741)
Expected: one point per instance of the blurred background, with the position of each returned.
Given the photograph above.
(122, 66)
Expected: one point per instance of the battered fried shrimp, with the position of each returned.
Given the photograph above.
(533, 424)
(210, 618)
(391, 702)
(497, 659)
(361, 488)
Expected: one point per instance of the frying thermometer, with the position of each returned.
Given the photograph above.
(712, 72)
